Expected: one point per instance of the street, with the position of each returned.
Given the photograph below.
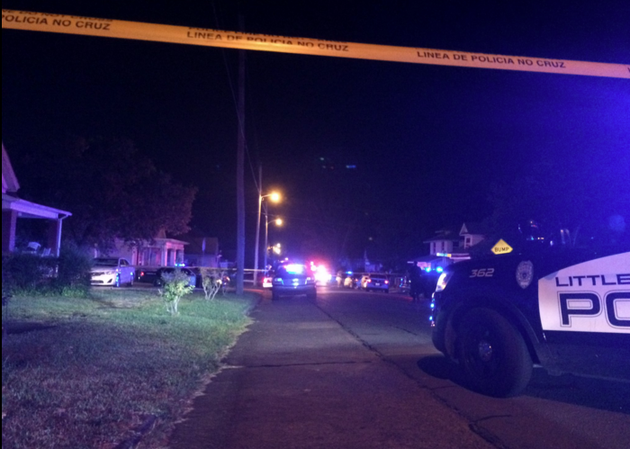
(356, 369)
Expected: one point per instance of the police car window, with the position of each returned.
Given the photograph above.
(611, 235)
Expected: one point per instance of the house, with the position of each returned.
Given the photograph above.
(471, 234)
(441, 246)
(15, 209)
(447, 247)
(202, 252)
(162, 251)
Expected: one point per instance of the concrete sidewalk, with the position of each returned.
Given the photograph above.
(297, 379)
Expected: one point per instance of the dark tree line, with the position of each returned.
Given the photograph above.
(109, 186)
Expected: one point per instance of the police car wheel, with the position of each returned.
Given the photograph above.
(493, 354)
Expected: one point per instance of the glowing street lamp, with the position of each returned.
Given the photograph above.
(275, 197)
(278, 222)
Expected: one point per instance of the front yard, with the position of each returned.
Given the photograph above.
(99, 372)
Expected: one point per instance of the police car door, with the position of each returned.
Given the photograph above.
(585, 315)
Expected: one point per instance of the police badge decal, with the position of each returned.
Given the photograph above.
(524, 273)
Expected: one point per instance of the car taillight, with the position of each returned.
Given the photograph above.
(387, 282)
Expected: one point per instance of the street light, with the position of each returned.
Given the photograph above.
(278, 222)
(275, 197)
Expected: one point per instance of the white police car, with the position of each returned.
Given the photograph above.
(561, 307)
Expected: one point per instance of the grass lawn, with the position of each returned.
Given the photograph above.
(93, 372)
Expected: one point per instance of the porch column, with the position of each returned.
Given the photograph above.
(9, 221)
(54, 236)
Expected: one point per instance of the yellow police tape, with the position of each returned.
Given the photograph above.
(88, 26)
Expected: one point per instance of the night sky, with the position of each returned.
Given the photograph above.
(427, 141)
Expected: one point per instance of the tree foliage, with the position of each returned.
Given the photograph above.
(112, 190)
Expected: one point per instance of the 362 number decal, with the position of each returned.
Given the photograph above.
(482, 273)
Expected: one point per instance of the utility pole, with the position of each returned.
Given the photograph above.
(256, 248)
(240, 172)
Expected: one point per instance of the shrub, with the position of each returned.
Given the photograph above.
(73, 272)
(211, 281)
(36, 275)
(176, 286)
(27, 272)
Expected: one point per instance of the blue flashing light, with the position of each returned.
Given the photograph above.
(431, 318)
(439, 269)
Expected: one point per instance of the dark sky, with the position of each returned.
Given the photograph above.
(430, 139)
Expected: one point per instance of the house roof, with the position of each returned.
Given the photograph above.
(472, 227)
(443, 234)
(9, 180)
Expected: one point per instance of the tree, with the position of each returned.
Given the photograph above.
(112, 190)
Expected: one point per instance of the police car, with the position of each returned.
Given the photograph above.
(563, 307)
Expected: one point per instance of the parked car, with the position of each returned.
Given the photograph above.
(112, 271)
(146, 274)
(170, 271)
(352, 281)
(267, 280)
(375, 282)
(293, 279)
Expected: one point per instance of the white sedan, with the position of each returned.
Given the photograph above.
(112, 271)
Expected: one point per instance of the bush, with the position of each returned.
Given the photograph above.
(211, 281)
(73, 271)
(33, 274)
(26, 272)
(176, 286)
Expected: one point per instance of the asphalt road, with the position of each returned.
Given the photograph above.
(358, 370)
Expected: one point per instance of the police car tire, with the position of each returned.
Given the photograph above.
(505, 370)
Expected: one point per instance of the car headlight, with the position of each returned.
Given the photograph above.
(443, 280)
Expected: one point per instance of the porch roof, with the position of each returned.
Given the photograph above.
(27, 209)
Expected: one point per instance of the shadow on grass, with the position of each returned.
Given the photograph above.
(21, 327)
